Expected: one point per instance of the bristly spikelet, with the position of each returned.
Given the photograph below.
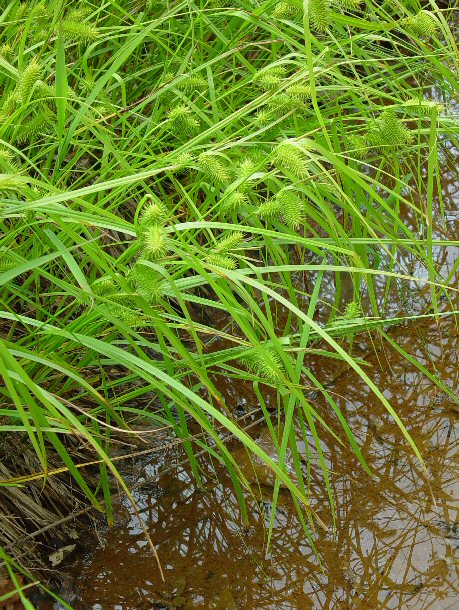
(184, 161)
(281, 103)
(5, 154)
(221, 260)
(213, 167)
(22, 9)
(270, 210)
(422, 25)
(389, 131)
(358, 145)
(181, 121)
(423, 107)
(76, 30)
(26, 81)
(230, 243)
(270, 78)
(245, 170)
(326, 188)
(246, 167)
(289, 159)
(104, 287)
(39, 13)
(319, 14)
(292, 208)
(155, 242)
(191, 83)
(266, 364)
(79, 13)
(6, 51)
(153, 214)
(7, 163)
(220, 3)
(147, 282)
(352, 311)
(29, 130)
(11, 182)
(285, 10)
(300, 92)
(6, 264)
(233, 203)
(264, 117)
(127, 316)
(350, 4)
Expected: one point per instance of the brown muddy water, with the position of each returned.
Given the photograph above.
(396, 543)
(397, 538)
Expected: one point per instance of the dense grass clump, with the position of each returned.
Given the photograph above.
(165, 160)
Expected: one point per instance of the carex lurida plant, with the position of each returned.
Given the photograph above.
(186, 188)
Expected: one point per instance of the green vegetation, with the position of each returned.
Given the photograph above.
(183, 186)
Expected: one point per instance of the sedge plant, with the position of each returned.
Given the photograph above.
(163, 159)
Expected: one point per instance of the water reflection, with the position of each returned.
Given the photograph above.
(397, 538)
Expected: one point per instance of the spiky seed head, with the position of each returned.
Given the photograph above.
(147, 282)
(282, 103)
(285, 10)
(325, 187)
(422, 25)
(350, 4)
(29, 130)
(155, 242)
(358, 146)
(222, 260)
(246, 167)
(167, 77)
(352, 311)
(75, 30)
(390, 131)
(79, 13)
(191, 83)
(264, 118)
(184, 162)
(300, 92)
(289, 159)
(213, 167)
(270, 210)
(234, 202)
(127, 316)
(22, 9)
(266, 364)
(270, 78)
(6, 264)
(267, 81)
(292, 208)
(230, 242)
(11, 182)
(40, 12)
(319, 14)
(154, 214)
(423, 107)
(185, 158)
(181, 121)
(104, 287)
(5, 154)
(6, 51)
(26, 81)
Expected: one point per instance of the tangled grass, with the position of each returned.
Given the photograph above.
(184, 185)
